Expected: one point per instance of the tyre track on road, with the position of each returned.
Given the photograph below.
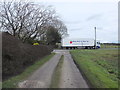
(41, 78)
(71, 76)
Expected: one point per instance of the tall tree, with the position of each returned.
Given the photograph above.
(26, 20)
(53, 36)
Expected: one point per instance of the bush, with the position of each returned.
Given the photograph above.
(17, 56)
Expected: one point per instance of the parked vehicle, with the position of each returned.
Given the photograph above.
(72, 43)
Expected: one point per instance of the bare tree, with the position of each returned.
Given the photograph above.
(28, 20)
(59, 25)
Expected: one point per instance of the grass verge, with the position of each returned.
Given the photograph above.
(13, 82)
(57, 74)
(110, 46)
(99, 66)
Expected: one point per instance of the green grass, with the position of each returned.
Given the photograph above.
(57, 74)
(109, 46)
(99, 66)
(13, 82)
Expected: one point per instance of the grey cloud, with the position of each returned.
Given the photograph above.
(72, 22)
(96, 16)
(75, 29)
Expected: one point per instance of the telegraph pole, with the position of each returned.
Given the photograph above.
(95, 37)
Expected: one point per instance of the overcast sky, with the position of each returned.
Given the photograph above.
(81, 16)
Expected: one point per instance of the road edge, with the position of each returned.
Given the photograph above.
(82, 73)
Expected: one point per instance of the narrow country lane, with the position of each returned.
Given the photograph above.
(42, 77)
(70, 75)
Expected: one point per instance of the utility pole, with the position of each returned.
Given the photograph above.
(95, 37)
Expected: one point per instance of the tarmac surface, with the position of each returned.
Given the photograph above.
(70, 75)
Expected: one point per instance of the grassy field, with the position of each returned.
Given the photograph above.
(110, 46)
(13, 82)
(99, 66)
(57, 73)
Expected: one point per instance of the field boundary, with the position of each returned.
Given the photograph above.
(97, 75)
(82, 73)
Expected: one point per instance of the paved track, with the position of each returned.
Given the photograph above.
(42, 77)
(70, 75)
